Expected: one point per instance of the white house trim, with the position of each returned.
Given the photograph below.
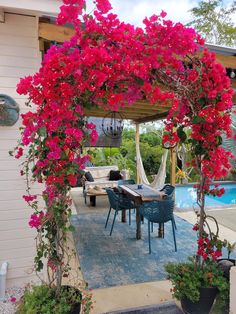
(35, 7)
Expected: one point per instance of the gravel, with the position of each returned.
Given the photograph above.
(8, 306)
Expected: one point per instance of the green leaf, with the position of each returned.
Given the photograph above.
(197, 119)
(202, 101)
(42, 131)
(219, 140)
(181, 134)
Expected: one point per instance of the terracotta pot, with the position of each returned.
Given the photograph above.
(203, 306)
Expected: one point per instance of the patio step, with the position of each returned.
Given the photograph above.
(163, 308)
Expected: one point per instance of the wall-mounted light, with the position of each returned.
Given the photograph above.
(9, 110)
(232, 74)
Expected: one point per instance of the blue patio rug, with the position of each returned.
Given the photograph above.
(120, 259)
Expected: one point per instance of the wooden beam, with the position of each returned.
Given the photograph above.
(158, 116)
(226, 61)
(53, 32)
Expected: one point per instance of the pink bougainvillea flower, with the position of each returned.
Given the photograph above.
(93, 137)
(36, 220)
(103, 6)
(29, 198)
(163, 14)
(12, 299)
(19, 153)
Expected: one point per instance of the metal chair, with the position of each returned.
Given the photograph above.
(158, 212)
(124, 182)
(169, 190)
(118, 204)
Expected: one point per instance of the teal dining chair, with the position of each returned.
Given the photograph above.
(118, 204)
(158, 212)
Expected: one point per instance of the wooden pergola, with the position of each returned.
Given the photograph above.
(141, 111)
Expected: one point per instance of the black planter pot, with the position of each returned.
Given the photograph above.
(76, 308)
(203, 306)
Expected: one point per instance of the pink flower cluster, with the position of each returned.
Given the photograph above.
(36, 220)
(208, 250)
(29, 198)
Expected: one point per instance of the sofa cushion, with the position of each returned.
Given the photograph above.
(102, 184)
(115, 175)
(89, 176)
(101, 172)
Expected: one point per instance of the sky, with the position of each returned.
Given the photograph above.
(134, 11)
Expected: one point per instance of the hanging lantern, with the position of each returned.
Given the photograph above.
(113, 125)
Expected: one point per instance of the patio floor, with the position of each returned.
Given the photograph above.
(120, 259)
(91, 254)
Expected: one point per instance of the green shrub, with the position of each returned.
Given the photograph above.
(43, 300)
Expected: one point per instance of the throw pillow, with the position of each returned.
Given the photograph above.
(115, 175)
(89, 176)
(80, 178)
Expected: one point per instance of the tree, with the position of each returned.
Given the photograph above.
(213, 20)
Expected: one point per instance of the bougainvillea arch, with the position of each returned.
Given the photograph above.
(110, 64)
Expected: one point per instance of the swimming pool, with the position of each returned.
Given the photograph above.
(185, 196)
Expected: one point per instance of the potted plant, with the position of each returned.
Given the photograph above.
(196, 286)
(197, 282)
(44, 299)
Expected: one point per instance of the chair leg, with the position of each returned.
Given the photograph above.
(113, 222)
(108, 215)
(149, 237)
(174, 222)
(173, 230)
(129, 217)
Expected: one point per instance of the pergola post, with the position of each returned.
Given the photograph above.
(173, 166)
(137, 138)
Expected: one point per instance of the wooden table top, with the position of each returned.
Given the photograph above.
(147, 193)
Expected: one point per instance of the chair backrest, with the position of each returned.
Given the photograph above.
(168, 189)
(158, 211)
(113, 198)
(123, 182)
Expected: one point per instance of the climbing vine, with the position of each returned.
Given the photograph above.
(109, 64)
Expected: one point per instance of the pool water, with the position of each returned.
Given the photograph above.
(186, 197)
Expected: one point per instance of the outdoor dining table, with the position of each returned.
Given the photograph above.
(139, 194)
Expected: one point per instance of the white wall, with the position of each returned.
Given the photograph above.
(40, 7)
(233, 290)
(19, 56)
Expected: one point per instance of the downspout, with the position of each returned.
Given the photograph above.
(3, 277)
